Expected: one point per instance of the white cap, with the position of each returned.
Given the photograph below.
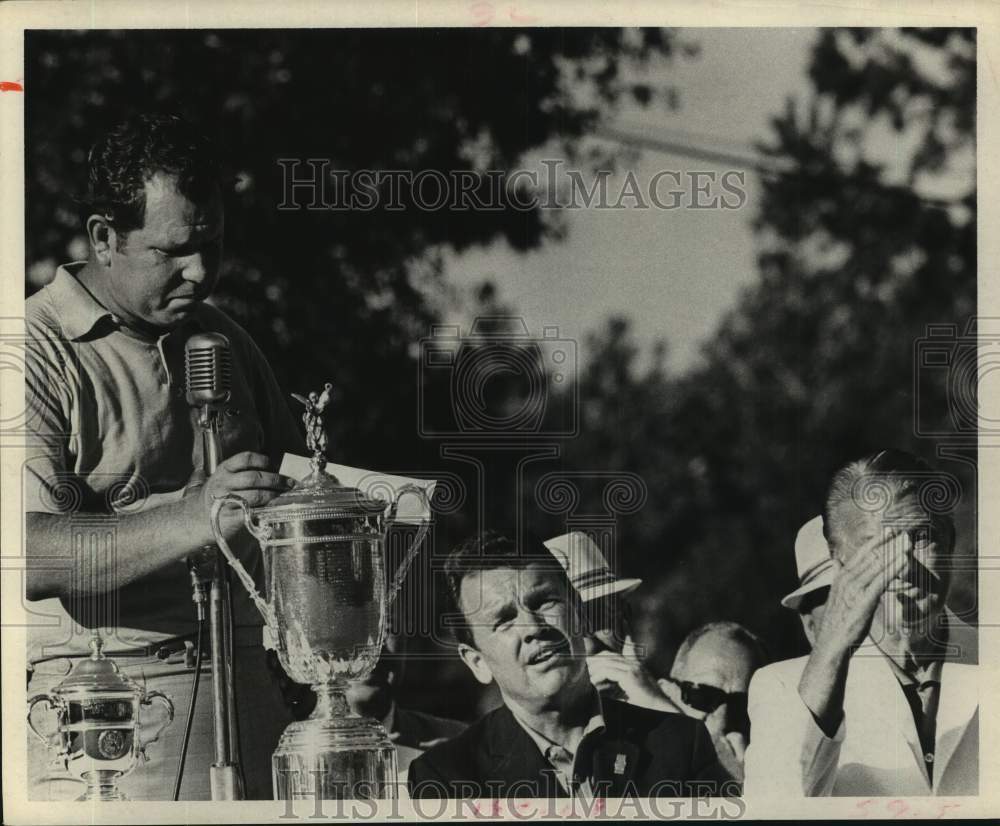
(586, 567)
(813, 561)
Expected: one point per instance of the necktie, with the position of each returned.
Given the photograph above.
(923, 702)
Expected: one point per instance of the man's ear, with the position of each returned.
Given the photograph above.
(476, 663)
(102, 237)
(808, 628)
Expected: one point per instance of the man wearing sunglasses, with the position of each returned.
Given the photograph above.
(887, 702)
(709, 681)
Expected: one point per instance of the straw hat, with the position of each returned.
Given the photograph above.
(813, 561)
(586, 567)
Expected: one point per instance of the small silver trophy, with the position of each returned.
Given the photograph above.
(323, 545)
(99, 737)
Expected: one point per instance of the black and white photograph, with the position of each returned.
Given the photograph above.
(493, 416)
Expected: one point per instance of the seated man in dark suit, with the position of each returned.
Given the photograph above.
(554, 736)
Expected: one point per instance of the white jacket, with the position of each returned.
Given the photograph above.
(876, 750)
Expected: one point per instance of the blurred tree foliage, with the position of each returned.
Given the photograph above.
(817, 363)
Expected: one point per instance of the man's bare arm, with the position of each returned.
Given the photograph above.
(145, 541)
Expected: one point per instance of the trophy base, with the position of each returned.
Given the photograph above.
(102, 786)
(342, 757)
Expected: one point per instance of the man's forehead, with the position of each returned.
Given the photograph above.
(506, 583)
(904, 510)
(170, 210)
(717, 658)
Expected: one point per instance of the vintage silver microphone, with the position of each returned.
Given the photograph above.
(208, 367)
(208, 379)
(208, 370)
(208, 374)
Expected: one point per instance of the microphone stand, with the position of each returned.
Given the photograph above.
(209, 568)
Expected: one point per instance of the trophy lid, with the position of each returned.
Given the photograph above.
(320, 494)
(97, 674)
(321, 491)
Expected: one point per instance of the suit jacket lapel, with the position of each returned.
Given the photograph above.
(877, 690)
(956, 706)
(616, 762)
(959, 692)
(956, 709)
(513, 757)
(616, 755)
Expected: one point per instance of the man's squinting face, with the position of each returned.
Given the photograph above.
(526, 634)
(912, 600)
(168, 266)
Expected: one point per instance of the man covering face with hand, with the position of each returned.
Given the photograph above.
(887, 702)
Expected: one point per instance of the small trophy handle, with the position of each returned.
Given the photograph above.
(148, 701)
(411, 554)
(260, 534)
(49, 701)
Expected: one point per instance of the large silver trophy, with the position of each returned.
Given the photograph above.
(323, 545)
(99, 737)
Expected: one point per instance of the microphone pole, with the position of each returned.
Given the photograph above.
(208, 371)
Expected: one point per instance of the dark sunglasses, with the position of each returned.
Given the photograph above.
(708, 698)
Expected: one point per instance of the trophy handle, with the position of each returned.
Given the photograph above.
(49, 701)
(260, 534)
(148, 701)
(411, 554)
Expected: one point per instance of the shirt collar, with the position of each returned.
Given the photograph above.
(79, 312)
(929, 673)
(594, 724)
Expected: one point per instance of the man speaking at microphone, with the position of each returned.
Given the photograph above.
(117, 457)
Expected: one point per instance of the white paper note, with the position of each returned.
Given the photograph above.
(413, 509)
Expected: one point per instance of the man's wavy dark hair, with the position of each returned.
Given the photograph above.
(132, 152)
(486, 552)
